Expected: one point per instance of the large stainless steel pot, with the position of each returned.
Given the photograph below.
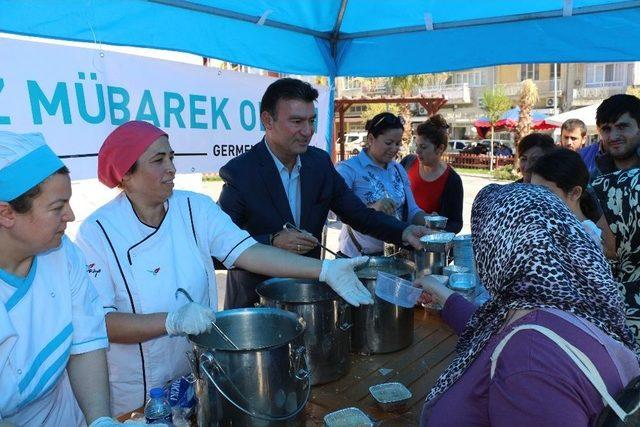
(327, 337)
(265, 382)
(382, 327)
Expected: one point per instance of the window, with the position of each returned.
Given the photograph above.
(358, 108)
(604, 75)
(352, 83)
(472, 78)
(530, 71)
(558, 68)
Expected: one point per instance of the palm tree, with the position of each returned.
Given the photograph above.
(375, 109)
(405, 85)
(528, 98)
(495, 104)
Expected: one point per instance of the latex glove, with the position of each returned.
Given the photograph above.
(339, 274)
(104, 422)
(412, 234)
(190, 319)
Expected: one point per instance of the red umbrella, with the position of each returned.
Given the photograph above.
(509, 121)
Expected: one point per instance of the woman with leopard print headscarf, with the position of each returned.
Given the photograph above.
(540, 268)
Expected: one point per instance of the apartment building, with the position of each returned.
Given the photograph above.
(563, 86)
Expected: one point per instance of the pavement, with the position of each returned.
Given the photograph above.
(88, 195)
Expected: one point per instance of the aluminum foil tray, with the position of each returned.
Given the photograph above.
(390, 396)
(347, 417)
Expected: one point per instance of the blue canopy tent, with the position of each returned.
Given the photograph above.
(346, 37)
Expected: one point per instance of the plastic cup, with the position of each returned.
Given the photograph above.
(397, 291)
(453, 269)
(464, 283)
(441, 279)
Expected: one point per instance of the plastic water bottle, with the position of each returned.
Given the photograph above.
(157, 410)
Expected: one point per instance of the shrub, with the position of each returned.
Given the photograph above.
(507, 173)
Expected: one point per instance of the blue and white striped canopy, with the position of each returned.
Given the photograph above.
(347, 37)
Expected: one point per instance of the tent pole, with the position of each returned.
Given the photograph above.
(330, 131)
(333, 44)
(555, 88)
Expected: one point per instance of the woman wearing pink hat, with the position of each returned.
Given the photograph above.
(151, 240)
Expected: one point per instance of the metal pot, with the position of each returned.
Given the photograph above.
(429, 262)
(327, 337)
(265, 382)
(382, 327)
(433, 256)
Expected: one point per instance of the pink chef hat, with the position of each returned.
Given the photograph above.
(122, 148)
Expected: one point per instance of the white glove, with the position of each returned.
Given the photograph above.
(338, 273)
(190, 319)
(104, 422)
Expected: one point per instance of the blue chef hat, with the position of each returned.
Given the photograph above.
(25, 161)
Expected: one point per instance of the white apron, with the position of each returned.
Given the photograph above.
(137, 269)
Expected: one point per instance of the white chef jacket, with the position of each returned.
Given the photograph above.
(137, 269)
(52, 313)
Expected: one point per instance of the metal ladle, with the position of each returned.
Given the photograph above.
(216, 327)
(289, 226)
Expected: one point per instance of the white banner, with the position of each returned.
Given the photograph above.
(76, 96)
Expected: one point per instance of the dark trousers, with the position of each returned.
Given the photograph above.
(241, 289)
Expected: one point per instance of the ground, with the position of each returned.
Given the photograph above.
(88, 195)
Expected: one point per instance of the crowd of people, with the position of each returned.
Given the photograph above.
(558, 252)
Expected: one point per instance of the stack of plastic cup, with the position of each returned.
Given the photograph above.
(463, 256)
(463, 251)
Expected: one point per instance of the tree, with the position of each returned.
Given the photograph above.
(374, 109)
(528, 99)
(495, 104)
(405, 85)
(633, 90)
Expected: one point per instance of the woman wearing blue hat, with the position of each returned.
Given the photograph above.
(52, 331)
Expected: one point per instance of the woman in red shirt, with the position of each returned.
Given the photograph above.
(435, 185)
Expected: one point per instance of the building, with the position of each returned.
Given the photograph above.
(575, 85)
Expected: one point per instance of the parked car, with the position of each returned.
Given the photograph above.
(456, 145)
(497, 142)
(484, 146)
(354, 142)
(476, 148)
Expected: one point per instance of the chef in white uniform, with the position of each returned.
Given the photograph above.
(149, 241)
(52, 330)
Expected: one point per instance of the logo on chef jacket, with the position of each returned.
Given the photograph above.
(92, 270)
(155, 271)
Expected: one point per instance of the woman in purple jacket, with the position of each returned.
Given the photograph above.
(542, 269)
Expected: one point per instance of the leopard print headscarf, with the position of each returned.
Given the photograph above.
(531, 252)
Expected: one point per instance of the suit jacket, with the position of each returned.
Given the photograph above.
(254, 198)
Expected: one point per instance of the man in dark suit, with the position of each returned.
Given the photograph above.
(283, 180)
